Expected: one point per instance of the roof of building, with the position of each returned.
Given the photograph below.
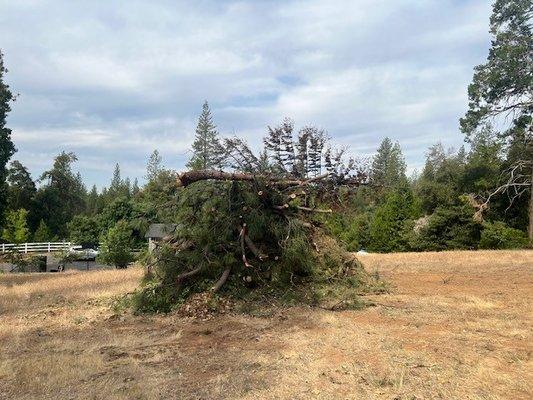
(159, 231)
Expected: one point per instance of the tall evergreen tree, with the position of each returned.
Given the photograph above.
(154, 165)
(315, 148)
(388, 166)
(207, 151)
(502, 90)
(62, 195)
(93, 202)
(7, 148)
(21, 187)
(274, 147)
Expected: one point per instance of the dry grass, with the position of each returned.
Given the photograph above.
(457, 325)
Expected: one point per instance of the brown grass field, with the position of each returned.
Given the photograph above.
(456, 325)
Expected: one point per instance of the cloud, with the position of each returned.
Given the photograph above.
(113, 82)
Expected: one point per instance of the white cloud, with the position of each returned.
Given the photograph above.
(113, 82)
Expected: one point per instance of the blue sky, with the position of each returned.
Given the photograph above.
(114, 80)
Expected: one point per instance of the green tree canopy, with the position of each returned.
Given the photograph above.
(16, 227)
(207, 151)
(84, 231)
(117, 245)
(7, 148)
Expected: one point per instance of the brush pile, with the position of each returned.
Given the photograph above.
(240, 233)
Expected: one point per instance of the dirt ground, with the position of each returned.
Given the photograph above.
(456, 325)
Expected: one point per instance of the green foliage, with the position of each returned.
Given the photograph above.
(21, 187)
(388, 165)
(497, 235)
(7, 148)
(117, 245)
(352, 229)
(62, 195)
(440, 179)
(16, 227)
(502, 86)
(388, 224)
(448, 228)
(42, 234)
(207, 151)
(211, 216)
(84, 231)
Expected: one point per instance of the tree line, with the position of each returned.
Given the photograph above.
(477, 196)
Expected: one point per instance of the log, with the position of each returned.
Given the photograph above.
(186, 178)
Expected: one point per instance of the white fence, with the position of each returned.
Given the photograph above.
(47, 247)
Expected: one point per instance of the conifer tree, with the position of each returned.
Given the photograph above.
(388, 166)
(207, 151)
(154, 165)
(7, 148)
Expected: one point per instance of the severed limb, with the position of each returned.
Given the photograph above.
(223, 278)
(186, 178)
(242, 236)
(188, 274)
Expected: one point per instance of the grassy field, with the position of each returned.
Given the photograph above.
(456, 325)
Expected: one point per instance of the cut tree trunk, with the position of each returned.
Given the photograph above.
(530, 230)
(186, 178)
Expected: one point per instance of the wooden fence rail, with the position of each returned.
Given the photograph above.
(46, 247)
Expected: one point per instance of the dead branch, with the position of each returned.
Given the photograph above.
(253, 248)
(223, 278)
(188, 274)
(317, 210)
(242, 236)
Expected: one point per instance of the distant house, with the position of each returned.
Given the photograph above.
(156, 232)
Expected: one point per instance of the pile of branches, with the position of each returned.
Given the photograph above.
(240, 232)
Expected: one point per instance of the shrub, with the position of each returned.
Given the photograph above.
(448, 228)
(497, 235)
(117, 245)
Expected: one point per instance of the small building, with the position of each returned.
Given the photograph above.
(156, 232)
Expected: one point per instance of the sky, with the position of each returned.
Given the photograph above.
(114, 80)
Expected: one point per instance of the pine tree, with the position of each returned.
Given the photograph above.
(288, 157)
(135, 187)
(274, 147)
(317, 140)
(7, 148)
(207, 151)
(154, 165)
(388, 166)
(93, 202)
(301, 153)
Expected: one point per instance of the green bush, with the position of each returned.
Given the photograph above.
(449, 228)
(497, 235)
(117, 245)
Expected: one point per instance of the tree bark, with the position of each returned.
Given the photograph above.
(186, 178)
(530, 230)
(222, 280)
